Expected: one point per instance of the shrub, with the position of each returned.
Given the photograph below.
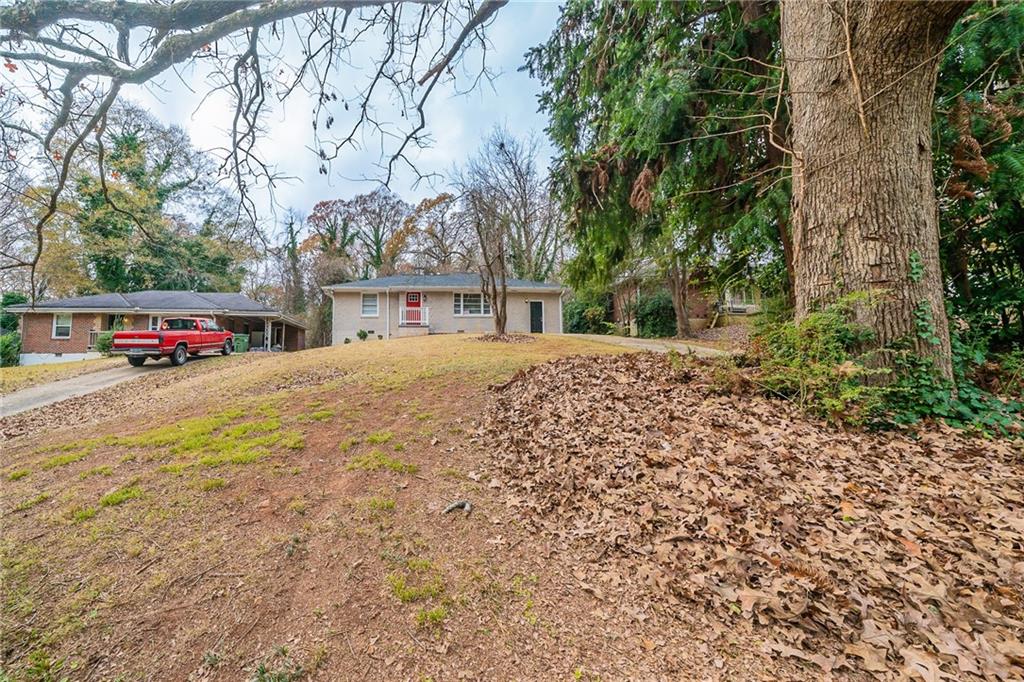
(9, 321)
(348, 340)
(816, 363)
(919, 392)
(10, 350)
(104, 342)
(362, 334)
(655, 316)
(588, 313)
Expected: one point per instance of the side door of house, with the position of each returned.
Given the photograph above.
(536, 317)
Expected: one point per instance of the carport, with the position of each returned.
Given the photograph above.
(277, 332)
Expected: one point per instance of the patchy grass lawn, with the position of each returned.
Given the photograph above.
(287, 520)
(16, 378)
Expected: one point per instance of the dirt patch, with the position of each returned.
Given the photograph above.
(853, 552)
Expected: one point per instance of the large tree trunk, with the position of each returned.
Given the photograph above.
(862, 78)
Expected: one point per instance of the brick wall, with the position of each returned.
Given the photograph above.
(37, 328)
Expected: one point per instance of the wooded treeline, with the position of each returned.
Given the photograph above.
(143, 211)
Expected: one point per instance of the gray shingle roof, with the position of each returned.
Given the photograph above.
(457, 280)
(185, 301)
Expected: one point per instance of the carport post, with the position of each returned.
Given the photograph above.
(267, 331)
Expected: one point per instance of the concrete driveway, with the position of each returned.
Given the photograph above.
(656, 345)
(44, 394)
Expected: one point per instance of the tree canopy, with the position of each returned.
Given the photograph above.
(671, 121)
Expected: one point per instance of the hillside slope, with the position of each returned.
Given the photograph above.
(283, 513)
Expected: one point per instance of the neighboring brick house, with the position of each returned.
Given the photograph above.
(410, 305)
(67, 329)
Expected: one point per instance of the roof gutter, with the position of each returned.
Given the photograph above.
(329, 289)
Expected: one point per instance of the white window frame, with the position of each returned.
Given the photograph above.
(458, 305)
(362, 303)
(155, 327)
(53, 329)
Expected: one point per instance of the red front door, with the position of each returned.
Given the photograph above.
(413, 303)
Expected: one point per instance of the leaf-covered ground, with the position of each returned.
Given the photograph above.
(854, 553)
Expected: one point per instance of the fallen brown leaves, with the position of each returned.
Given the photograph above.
(506, 338)
(857, 551)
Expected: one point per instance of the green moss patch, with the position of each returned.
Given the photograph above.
(318, 416)
(432, 618)
(82, 514)
(97, 471)
(120, 496)
(210, 484)
(380, 504)
(62, 460)
(375, 460)
(408, 589)
(379, 438)
(33, 501)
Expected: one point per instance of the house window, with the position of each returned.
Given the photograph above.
(743, 297)
(62, 326)
(370, 306)
(154, 323)
(472, 304)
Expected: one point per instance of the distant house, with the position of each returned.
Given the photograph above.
(741, 300)
(67, 328)
(410, 305)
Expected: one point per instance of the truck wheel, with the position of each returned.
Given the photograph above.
(228, 347)
(179, 356)
(136, 362)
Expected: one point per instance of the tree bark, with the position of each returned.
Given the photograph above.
(678, 286)
(862, 78)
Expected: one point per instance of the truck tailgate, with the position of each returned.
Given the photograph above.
(125, 340)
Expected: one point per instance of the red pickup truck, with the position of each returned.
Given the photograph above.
(177, 338)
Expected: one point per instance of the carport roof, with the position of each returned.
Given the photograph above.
(155, 300)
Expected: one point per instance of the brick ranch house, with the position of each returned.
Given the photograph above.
(67, 328)
(413, 305)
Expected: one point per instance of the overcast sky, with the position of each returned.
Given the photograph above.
(455, 122)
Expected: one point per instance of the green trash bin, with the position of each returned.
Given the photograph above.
(241, 343)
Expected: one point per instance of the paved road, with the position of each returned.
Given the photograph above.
(44, 394)
(657, 345)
